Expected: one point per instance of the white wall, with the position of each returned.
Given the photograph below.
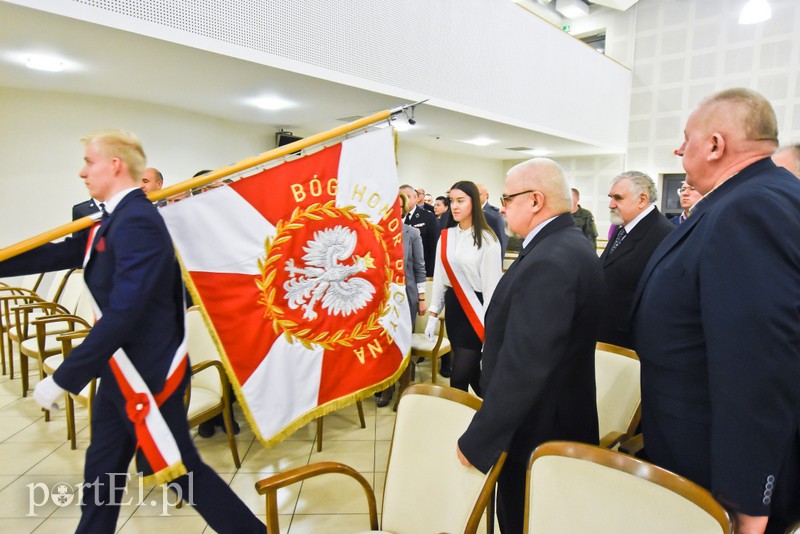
(686, 50)
(437, 171)
(42, 154)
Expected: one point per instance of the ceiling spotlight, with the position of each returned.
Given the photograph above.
(271, 103)
(45, 63)
(755, 11)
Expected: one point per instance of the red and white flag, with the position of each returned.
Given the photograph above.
(299, 268)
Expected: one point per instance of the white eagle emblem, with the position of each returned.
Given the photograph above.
(325, 278)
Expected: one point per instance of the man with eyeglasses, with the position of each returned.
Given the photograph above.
(688, 197)
(538, 355)
(641, 227)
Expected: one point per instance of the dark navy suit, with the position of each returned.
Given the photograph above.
(717, 329)
(622, 271)
(135, 280)
(82, 209)
(538, 359)
(427, 224)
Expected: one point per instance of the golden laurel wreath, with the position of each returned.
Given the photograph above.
(270, 264)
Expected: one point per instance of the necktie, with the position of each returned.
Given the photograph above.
(620, 236)
(408, 219)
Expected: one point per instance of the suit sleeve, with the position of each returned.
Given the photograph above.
(544, 295)
(491, 268)
(439, 279)
(142, 255)
(67, 254)
(750, 306)
(419, 259)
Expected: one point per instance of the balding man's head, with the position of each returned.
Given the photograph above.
(535, 191)
(152, 180)
(727, 132)
(483, 192)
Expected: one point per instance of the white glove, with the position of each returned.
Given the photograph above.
(430, 328)
(47, 393)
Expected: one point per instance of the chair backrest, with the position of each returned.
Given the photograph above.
(618, 389)
(427, 489)
(71, 292)
(574, 487)
(30, 282)
(57, 285)
(201, 347)
(84, 309)
(422, 320)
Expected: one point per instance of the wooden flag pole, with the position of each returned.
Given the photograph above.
(205, 179)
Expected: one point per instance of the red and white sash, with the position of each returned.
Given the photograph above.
(466, 296)
(155, 442)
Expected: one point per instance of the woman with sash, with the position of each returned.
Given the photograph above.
(467, 270)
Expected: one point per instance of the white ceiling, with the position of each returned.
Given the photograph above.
(109, 62)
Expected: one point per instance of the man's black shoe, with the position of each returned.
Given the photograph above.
(206, 429)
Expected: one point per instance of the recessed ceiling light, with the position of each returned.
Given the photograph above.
(538, 152)
(755, 11)
(480, 141)
(45, 63)
(271, 103)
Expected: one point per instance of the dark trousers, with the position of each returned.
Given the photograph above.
(110, 453)
(511, 497)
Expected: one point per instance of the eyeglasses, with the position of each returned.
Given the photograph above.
(505, 199)
(685, 189)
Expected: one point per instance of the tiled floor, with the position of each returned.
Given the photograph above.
(35, 458)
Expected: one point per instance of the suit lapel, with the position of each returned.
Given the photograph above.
(629, 243)
(103, 230)
(562, 221)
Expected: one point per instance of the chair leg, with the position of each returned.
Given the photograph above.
(10, 354)
(226, 417)
(23, 371)
(402, 384)
(434, 368)
(70, 409)
(3, 350)
(361, 414)
(319, 433)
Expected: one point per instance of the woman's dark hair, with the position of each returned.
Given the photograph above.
(479, 224)
(445, 201)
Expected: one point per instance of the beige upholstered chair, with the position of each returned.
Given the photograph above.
(25, 293)
(69, 341)
(427, 490)
(26, 287)
(574, 487)
(209, 392)
(39, 325)
(422, 347)
(618, 393)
